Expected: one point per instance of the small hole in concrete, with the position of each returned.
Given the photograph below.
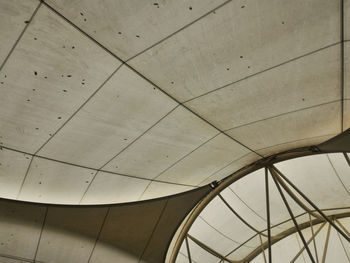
(190, 8)
(35, 73)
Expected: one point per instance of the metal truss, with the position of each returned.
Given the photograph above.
(317, 221)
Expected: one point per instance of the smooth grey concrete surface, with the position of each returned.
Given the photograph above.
(78, 95)
(106, 101)
(131, 232)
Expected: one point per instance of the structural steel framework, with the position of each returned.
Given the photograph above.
(317, 217)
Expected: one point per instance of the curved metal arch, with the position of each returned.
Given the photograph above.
(221, 185)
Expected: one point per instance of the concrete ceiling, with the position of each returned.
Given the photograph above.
(133, 232)
(111, 101)
(156, 98)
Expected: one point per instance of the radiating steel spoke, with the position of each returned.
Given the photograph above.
(239, 217)
(347, 237)
(342, 227)
(293, 196)
(262, 249)
(308, 242)
(293, 218)
(268, 213)
(342, 244)
(326, 244)
(210, 250)
(188, 250)
(288, 232)
(312, 230)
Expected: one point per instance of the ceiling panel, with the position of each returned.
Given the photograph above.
(260, 259)
(211, 237)
(182, 258)
(295, 144)
(287, 248)
(11, 260)
(218, 215)
(204, 161)
(242, 251)
(129, 27)
(51, 73)
(309, 123)
(238, 40)
(172, 138)
(69, 234)
(14, 16)
(124, 108)
(347, 69)
(54, 182)
(341, 167)
(158, 189)
(347, 19)
(316, 178)
(20, 227)
(246, 212)
(347, 77)
(198, 254)
(251, 190)
(126, 232)
(302, 83)
(346, 223)
(335, 249)
(346, 114)
(107, 188)
(133, 232)
(13, 167)
(231, 168)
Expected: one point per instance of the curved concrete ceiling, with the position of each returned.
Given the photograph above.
(110, 101)
(133, 232)
(155, 98)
